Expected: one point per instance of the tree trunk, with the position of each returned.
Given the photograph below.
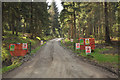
(94, 32)
(72, 31)
(79, 30)
(9, 20)
(16, 29)
(119, 26)
(83, 32)
(12, 24)
(69, 33)
(2, 19)
(107, 37)
(31, 26)
(17, 26)
(74, 21)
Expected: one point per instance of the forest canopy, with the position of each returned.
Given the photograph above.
(98, 20)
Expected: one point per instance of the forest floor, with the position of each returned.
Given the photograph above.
(104, 55)
(55, 61)
(8, 38)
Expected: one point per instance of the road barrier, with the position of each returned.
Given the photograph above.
(19, 49)
(87, 42)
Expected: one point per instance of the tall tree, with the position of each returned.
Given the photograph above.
(107, 37)
(54, 19)
(92, 20)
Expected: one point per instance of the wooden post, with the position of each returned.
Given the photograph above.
(30, 47)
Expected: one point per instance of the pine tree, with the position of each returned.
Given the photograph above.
(54, 19)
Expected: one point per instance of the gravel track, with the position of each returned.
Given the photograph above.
(53, 61)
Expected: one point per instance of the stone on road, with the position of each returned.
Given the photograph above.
(53, 61)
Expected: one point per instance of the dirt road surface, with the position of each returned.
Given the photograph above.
(53, 61)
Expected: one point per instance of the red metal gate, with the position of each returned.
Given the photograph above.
(91, 43)
(20, 49)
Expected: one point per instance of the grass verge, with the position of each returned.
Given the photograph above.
(17, 64)
(9, 38)
(95, 55)
(8, 68)
(36, 49)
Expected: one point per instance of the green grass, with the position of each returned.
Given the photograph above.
(17, 64)
(9, 38)
(47, 37)
(36, 49)
(101, 58)
(8, 68)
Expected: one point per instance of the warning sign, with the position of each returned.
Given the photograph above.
(71, 40)
(87, 41)
(77, 45)
(41, 42)
(12, 47)
(24, 46)
(88, 49)
(81, 42)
